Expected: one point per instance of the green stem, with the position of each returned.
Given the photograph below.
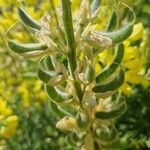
(68, 25)
(54, 13)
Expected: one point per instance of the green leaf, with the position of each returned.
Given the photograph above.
(27, 20)
(112, 85)
(110, 69)
(95, 5)
(23, 48)
(57, 94)
(112, 23)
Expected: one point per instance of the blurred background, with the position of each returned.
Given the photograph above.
(26, 119)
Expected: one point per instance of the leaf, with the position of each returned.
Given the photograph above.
(112, 85)
(110, 69)
(112, 23)
(56, 94)
(23, 48)
(95, 6)
(27, 20)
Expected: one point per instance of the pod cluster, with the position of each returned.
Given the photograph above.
(85, 101)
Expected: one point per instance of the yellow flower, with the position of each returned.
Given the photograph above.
(3, 108)
(11, 121)
(138, 32)
(8, 123)
(7, 132)
(126, 89)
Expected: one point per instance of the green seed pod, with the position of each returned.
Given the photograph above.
(89, 73)
(112, 23)
(70, 141)
(95, 6)
(49, 63)
(110, 69)
(119, 35)
(112, 85)
(43, 71)
(27, 20)
(23, 48)
(78, 137)
(105, 134)
(83, 121)
(45, 75)
(58, 111)
(119, 108)
(57, 94)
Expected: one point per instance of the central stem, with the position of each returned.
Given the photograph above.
(68, 25)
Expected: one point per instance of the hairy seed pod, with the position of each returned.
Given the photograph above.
(27, 20)
(58, 111)
(83, 121)
(112, 23)
(110, 69)
(117, 110)
(78, 136)
(89, 73)
(112, 85)
(70, 142)
(43, 71)
(105, 134)
(45, 75)
(23, 48)
(57, 94)
(49, 63)
(119, 35)
(95, 6)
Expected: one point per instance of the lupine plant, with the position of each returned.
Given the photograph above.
(86, 101)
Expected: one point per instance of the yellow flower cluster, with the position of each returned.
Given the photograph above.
(31, 93)
(8, 121)
(132, 61)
